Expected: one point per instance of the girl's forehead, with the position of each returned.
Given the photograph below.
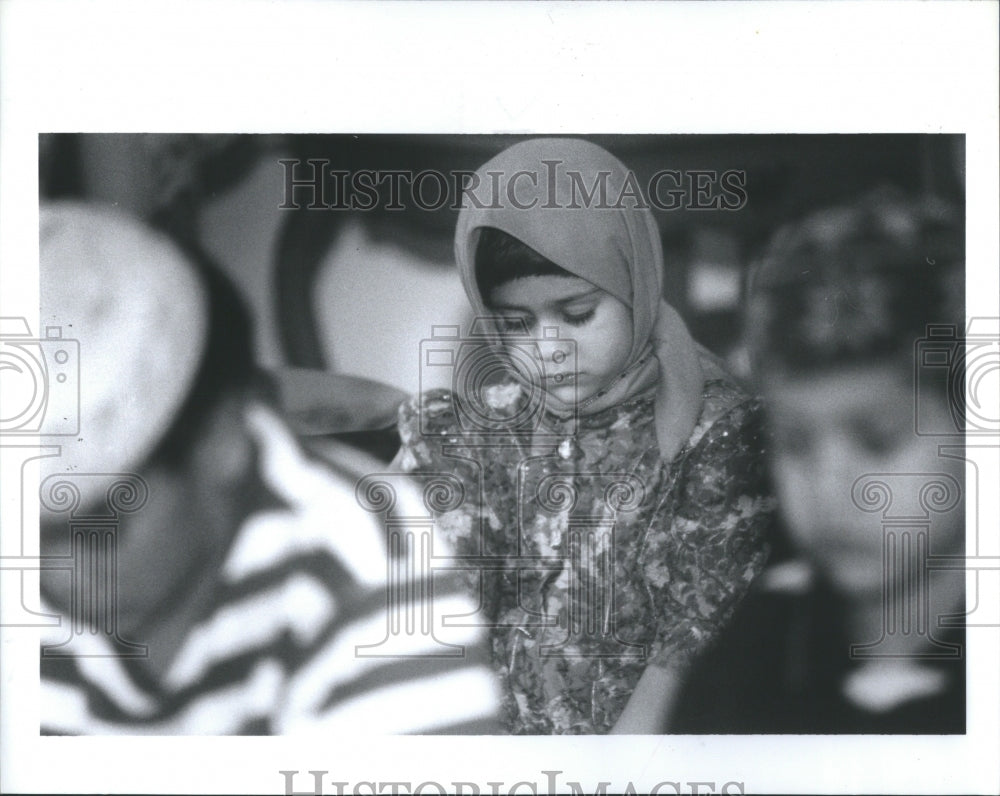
(540, 291)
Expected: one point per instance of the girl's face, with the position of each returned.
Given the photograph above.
(598, 323)
(832, 428)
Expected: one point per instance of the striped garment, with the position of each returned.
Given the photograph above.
(299, 638)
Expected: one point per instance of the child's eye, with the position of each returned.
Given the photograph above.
(578, 318)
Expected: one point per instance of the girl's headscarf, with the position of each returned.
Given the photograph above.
(577, 205)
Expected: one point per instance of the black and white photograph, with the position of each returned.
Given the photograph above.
(408, 443)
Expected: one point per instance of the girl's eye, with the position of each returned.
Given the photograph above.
(578, 318)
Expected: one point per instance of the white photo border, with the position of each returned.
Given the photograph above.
(495, 68)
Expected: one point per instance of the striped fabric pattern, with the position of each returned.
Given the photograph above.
(303, 588)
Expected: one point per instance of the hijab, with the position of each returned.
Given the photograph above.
(577, 205)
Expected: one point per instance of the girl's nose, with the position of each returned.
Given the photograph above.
(553, 352)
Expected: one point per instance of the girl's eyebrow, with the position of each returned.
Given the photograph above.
(557, 303)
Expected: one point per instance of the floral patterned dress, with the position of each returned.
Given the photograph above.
(592, 558)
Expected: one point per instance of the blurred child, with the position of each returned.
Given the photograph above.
(210, 578)
(614, 497)
(836, 311)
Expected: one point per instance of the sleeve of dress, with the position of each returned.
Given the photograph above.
(708, 540)
(433, 445)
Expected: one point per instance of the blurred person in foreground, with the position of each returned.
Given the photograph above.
(848, 633)
(239, 575)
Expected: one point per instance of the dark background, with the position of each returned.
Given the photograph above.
(225, 192)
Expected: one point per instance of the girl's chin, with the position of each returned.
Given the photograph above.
(568, 394)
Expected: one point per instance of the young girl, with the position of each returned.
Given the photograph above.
(614, 498)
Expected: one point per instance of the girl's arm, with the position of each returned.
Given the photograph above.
(431, 445)
(648, 709)
(706, 548)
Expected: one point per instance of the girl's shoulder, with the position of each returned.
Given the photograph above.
(438, 428)
(425, 421)
(727, 403)
(431, 412)
(441, 412)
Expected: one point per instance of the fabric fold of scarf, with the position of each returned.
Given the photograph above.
(580, 207)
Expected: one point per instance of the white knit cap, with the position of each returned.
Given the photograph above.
(140, 314)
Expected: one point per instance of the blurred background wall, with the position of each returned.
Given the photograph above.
(356, 290)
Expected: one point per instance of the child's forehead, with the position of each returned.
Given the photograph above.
(528, 291)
